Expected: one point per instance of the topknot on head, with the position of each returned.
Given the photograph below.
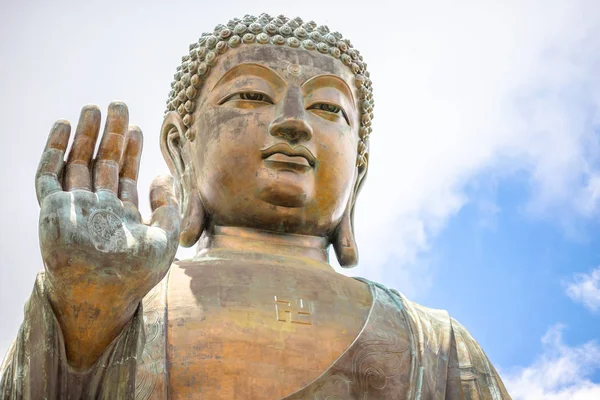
(264, 29)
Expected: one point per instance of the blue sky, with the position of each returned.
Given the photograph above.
(505, 275)
(532, 258)
(483, 193)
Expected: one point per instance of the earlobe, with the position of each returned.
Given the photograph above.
(193, 220)
(172, 142)
(343, 240)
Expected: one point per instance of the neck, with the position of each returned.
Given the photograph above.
(248, 240)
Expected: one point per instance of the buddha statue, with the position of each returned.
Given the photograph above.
(266, 135)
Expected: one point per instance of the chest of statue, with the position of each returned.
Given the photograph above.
(257, 330)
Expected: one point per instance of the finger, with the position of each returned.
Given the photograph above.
(52, 160)
(130, 165)
(106, 166)
(77, 170)
(165, 209)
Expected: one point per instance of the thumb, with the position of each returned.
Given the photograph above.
(165, 208)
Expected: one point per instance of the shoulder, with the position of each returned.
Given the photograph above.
(431, 326)
(430, 329)
(470, 372)
(427, 316)
(448, 348)
(432, 322)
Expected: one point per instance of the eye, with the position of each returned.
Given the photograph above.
(330, 111)
(255, 97)
(326, 107)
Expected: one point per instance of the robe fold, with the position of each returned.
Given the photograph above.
(404, 351)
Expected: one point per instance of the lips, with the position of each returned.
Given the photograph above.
(284, 158)
(283, 153)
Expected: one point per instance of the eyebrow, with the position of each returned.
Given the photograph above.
(341, 84)
(253, 69)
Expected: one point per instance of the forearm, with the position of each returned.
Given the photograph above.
(36, 367)
(90, 318)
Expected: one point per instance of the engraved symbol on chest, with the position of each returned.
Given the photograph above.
(293, 311)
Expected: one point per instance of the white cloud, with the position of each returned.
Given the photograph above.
(585, 288)
(561, 372)
(477, 90)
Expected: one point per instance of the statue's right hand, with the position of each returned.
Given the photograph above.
(100, 258)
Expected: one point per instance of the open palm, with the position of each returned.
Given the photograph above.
(99, 256)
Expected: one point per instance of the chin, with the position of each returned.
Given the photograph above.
(287, 189)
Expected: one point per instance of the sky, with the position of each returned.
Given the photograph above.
(483, 192)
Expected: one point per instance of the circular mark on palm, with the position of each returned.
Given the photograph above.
(107, 231)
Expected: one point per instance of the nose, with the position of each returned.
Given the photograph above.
(290, 123)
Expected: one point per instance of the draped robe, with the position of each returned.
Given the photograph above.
(403, 351)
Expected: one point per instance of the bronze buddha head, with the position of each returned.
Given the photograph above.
(267, 127)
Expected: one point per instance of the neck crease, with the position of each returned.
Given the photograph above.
(265, 242)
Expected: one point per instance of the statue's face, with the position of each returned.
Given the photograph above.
(276, 140)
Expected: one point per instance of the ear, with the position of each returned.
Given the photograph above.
(343, 240)
(175, 148)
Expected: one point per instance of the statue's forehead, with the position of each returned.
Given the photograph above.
(292, 64)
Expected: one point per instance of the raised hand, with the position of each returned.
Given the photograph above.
(100, 258)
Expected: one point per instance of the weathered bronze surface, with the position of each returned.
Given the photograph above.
(266, 135)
